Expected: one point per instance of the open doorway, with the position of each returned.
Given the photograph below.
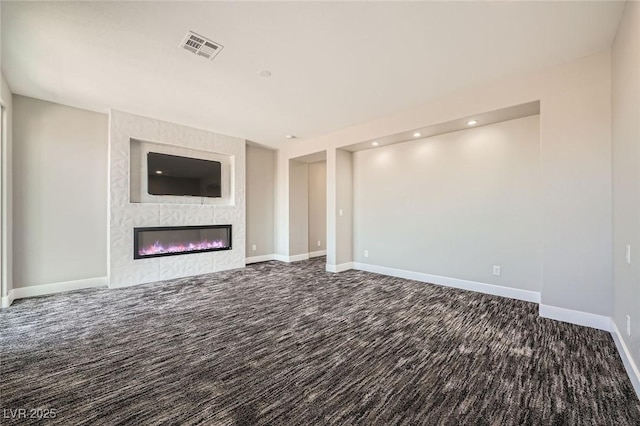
(308, 206)
(317, 184)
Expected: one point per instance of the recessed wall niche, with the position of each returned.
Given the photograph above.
(141, 177)
(125, 216)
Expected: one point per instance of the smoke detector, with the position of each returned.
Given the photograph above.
(201, 46)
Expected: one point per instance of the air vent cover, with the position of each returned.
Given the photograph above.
(201, 46)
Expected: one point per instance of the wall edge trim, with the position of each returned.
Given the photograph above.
(7, 300)
(289, 259)
(495, 290)
(339, 268)
(256, 259)
(625, 354)
(59, 287)
(585, 319)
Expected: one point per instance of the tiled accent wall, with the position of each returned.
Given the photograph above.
(123, 270)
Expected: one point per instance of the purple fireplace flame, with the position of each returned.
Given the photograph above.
(158, 248)
(168, 241)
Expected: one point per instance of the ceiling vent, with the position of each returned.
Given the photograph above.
(201, 46)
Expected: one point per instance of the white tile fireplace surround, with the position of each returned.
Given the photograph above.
(124, 215)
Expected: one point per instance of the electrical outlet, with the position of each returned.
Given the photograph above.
(628, 325)
(253, 247)
(319, 243)
(496, 270)
(366, 253)
(340, 212)
(628, 253)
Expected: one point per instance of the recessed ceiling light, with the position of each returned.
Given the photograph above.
(158, 172)
(374, 143)
(290, 137)
(472, 122)
(417, 135)
(265, 73)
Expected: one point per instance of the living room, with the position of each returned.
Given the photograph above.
(370, 227)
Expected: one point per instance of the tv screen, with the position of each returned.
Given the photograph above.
(174, 175)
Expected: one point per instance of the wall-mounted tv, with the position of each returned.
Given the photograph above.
(175, 175)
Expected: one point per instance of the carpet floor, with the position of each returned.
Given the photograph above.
(290, 344)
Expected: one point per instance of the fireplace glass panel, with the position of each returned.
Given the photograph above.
(169, 241)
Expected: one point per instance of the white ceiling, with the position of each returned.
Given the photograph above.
(332, 64)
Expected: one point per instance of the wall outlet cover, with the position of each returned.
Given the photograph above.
(628, 254)
(628, 325)
(496, 270)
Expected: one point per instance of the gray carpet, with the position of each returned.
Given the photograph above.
(278, 344)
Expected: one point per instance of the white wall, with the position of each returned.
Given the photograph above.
(260, 200)
(575, 139)
(344, 207)
(317, 206)
(575, 154)
(6, 190)
(339, 210)
(626, 175)
(454, 205)
(60, 182)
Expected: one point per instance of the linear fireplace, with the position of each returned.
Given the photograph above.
(175, 240)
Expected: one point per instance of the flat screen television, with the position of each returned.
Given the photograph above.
(175, 175)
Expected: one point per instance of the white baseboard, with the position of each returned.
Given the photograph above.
(317, 253)
(41, 290)
(299, 257)
(289, 259)
(339, 268)
(586, 319)
(8, 299)
(256, 259)
(496, 290)
(632, 369)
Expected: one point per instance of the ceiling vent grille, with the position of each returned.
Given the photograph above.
(201, 46)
